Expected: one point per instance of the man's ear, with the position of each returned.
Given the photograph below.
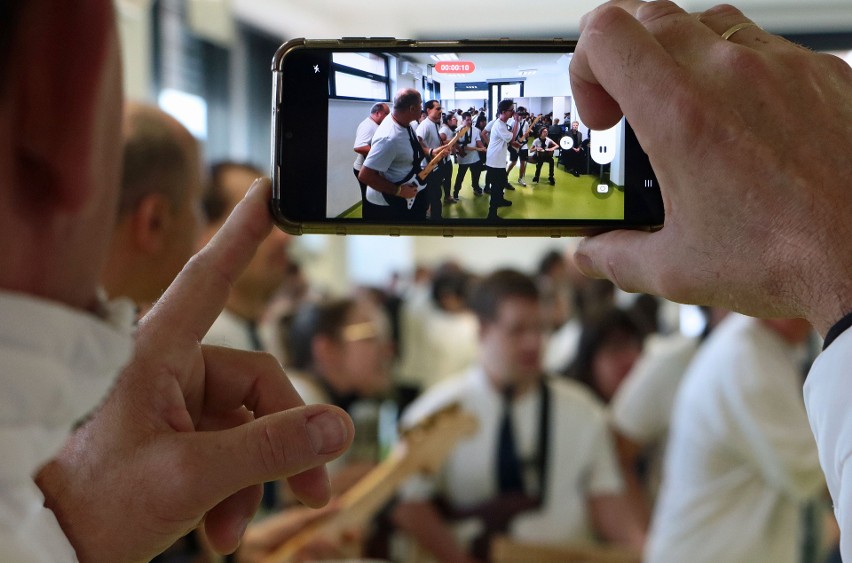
(150, 223)
(61, 51)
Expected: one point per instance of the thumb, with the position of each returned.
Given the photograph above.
(624, 257)
(294, 444)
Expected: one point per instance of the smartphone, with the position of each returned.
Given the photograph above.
(324, 94)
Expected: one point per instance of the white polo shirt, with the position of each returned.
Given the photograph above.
(581, 458)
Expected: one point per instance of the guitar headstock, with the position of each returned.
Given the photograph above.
(429, 442)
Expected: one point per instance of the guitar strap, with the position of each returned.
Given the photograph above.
(416, 159)
(496, 515)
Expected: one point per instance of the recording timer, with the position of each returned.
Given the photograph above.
(455, 67)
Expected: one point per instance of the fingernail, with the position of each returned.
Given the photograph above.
(242, 528)
(584, 263)
(327, 433)
(254, 185)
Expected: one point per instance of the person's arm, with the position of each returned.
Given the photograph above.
(189, 432)
(614, 520)
(628, 452)
(747, 226)
(362, 150)
(378, 182)
(421, 520)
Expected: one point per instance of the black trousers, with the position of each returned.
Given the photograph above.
(540, 160)
(498, 179)
(475, 173)
(363, 187)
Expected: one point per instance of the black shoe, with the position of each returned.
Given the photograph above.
(535, 180)
(488, 189)
(552, 182)
(510, 187)
(477, 192)
(504, 203)
(575, 173)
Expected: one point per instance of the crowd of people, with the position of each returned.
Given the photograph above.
(391, 153)
(146, 411)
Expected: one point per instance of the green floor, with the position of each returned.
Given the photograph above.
(570, 198)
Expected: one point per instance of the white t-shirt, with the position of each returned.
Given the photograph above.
(828, 406)
(741, 459)
(472, 137)
(581, 462)
(391, 155)
(58, 364)
(428, 132)
(364, 136)
(498, 145)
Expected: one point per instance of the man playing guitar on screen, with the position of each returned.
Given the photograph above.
(394, 155)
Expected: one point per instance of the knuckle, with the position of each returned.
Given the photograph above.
(721, 11)
(657, 12)
(273, 450)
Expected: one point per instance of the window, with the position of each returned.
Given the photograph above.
(359, 76)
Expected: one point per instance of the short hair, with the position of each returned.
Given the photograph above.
(216, 202)
(549, 260)
(377, 107)
(9, 15)
(156, 160)
(311, 320)
(406, 98)
(448, 117)
(450, 281)
(610, 325)
(498, 287)
(505, 105)
(429, 104)
(465, 115)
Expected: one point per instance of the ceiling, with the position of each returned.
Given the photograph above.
(498, 18)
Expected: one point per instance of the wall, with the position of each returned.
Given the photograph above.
(344, 117)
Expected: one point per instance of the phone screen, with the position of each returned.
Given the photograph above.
(494, 123)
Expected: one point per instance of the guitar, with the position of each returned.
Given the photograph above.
(530, 128)
(423, 448)
(419, 178)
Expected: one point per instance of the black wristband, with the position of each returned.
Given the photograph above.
(839, 328)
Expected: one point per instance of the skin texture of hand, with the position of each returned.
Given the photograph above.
(755, 220)
(190, 431)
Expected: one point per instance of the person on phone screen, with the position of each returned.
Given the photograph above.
(499, 137)
(395, 157)
(429, 136)
(363, 139)
(469, 148)
(543, 148)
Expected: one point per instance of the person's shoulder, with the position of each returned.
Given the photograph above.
(574, 393)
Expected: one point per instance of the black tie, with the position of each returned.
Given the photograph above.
(509, 477)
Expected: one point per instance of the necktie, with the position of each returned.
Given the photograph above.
(509, 477)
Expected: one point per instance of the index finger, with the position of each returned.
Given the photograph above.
(196, 297)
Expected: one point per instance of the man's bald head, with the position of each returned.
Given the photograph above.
(160, 156)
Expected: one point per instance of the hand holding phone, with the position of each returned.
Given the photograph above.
(339, 82)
